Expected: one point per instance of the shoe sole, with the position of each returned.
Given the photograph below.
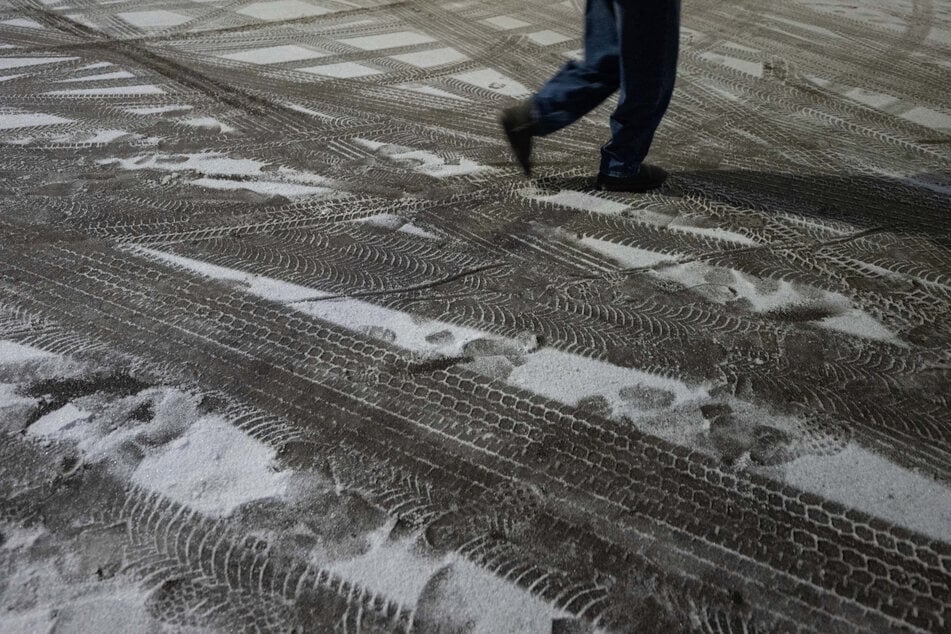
(513, 133)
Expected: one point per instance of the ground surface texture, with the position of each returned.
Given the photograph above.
(288, 344)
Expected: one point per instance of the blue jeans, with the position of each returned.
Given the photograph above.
(631, 46)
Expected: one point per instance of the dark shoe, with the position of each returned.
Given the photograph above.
(519, 125)
(647, 178)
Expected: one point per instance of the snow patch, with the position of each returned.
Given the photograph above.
(860, 479)
(113, 91)
(282, 10)
(388, 40)
(547, 38)
(119, 74)
(582, 202)
(56, 424)
(742, 65)
(148, 20)
(562, 376)
(268, 188)
(208, 123)
(212, 468)
(21, 62)
(493, 80)
(422, 161)
(25, 23)
(479, 599)
(343, 70)
(432, 57)
(156, 109)
(627, 257)
(432, 91)
(397, 223)
(505, 22)
(274, 54)
(569, 378)
(12, 352)
(101, 136)
(929, 118)
(204, 163)
(777, 296)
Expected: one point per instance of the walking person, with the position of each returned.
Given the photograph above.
(629, 46)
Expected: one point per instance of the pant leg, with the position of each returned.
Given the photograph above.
(579, 87)
(649, 36)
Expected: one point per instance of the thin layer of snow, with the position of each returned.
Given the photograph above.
(745, 66)
(741, 47)
(396, 570)
(269, 188)
(858, 323)
(112, 91)
(29, 120)
(122, 610)
(569, 378)
(419, 232)
(559, 375)
(95, 65)
(13, 352)
(212, 163)
(119, 74)
(582, 202)
(100, 136)
(212, 166)
(343, 70)
(283, 10)
(22, 62)
(274, 54)
(432, 91)
(308, 111)
(19, 537)
(25, 23)
(267, 288)
(398, 223)
(157, 19)
(874, 99)
(476, 601)
(57, 423)
(409, 331)
(929, 118)
(505, 22)
(9, 396)
(156, 109)
(424, 162)
(727, 285)
(212, 468)
(478, 598)
(432, 57)
(826, 33)
(493, 80)
(715, 233)
(208, 123)
(388, 40)
(627, 257)
(547, 38)
(860, 479)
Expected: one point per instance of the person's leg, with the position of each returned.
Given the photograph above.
(579, 87)
(649, 36)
